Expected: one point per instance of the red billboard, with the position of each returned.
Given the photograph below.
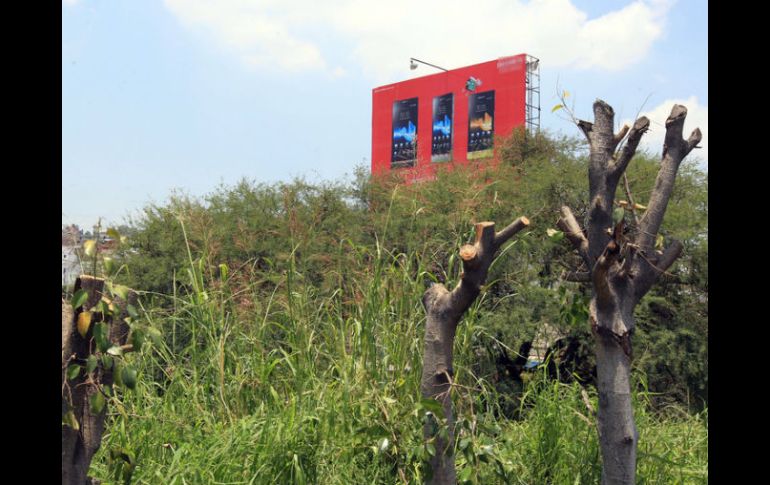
(448, 117)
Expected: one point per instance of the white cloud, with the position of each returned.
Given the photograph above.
(258, 32)
(697, 117)
(381, 36)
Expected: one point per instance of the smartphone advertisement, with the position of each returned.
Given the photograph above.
(481, 124)
(443, 113)
(404, 144)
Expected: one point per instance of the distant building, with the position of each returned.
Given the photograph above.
(70, 265)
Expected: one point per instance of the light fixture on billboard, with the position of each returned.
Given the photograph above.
(413, 64)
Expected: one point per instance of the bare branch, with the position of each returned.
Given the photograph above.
(569, 225)
(603, 141)
(669, 256)
(604, 116)
(621, 134)
(512, 228)
(695, 138)
(674, 151)
(640, 128)
(485, 235)
(630, 197)
(470, 257)
(586, 127)
(653, 268)
(576, 276)
(476, 259)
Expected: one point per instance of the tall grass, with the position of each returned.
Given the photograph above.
(301, 387)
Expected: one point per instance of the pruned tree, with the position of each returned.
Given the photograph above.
(622, 265)
(88, 330)
(444, 309)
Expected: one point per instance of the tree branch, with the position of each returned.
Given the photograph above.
(674, 151)
(669, 256)
(652, 269)
(576, 276)
(569, 225)
(695, 138)
(476, 259)
(586, 127)
(621, 134)
(512, 228)
(630, 198)
(640, 128)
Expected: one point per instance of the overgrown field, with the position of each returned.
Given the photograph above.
(288, 330)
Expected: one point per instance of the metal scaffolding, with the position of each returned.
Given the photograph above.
(533, 94)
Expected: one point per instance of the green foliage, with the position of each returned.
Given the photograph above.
(286, 327)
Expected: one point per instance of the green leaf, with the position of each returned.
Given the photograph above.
(115, 350)
(79, 298)
(89, 247)
(100, 335)
(113, 233)
(117, 373)
(464, 443)
(70, 420)
(137, 339)
(73, 371)
(557, 108)
(155, 336)
(107, 361)
(100, 307)
(223, 271)
(121, 291)
(91, 363)
(128, 376)
(618, 214)
(132, 311)
(109, 264)
(430, 448)
(465, 474)
(97, 402)
(433, 406)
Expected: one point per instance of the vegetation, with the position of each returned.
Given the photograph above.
(292, 325)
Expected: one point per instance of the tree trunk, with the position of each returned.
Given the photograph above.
(444, 309)
(621, 266)
(80, 443)
(615, 417)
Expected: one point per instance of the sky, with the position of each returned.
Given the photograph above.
(184, 95)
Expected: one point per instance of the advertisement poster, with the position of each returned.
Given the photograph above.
(443, 112)
(404, 148)
(481, 124)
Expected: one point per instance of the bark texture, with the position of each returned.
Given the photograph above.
(78, 446)
(444, 309)
(621, 267)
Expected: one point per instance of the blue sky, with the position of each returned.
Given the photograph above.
(187, 94)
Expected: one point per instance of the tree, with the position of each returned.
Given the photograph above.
(622, 265)
(444, 309)
(94, 334)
